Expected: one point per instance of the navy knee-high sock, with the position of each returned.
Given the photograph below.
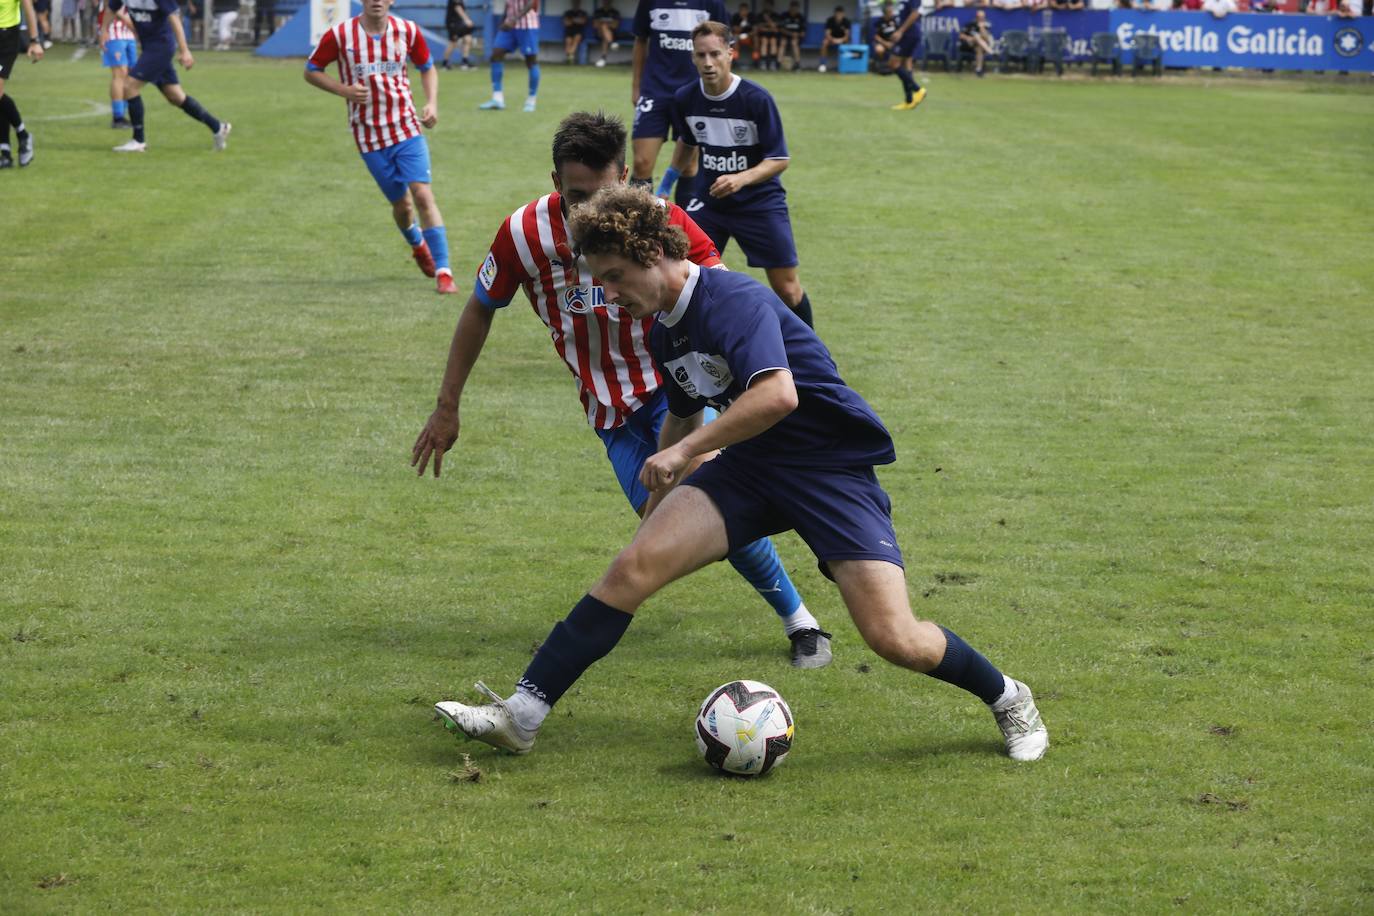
(682, 194)
(589, 631)
(803, 311)
(136, 116)
(908, 84)
(194, 109)
(963, 666)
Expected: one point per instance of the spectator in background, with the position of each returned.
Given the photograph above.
(793, 30)
(977, 36)
(836, 34)
(1191, 6)
(67, 27)
(769, 35)
(1154, 6)
(882, 31)
(606, 24)
(742, 29)
(264, 14)
(42, 14)
(1067, 4)
(1350, 9)
(226, 13)
(1219, 9)
(574, 28)
(459, 26)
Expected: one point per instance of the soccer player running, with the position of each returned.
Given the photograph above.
(737, 192)
(161, 37)
(9, 52)
(118, 50)
(903, 47)
(603, 347)
(371, 50)
(662, 65)
(519, 30)
(800, 448)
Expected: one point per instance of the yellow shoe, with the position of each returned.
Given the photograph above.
(918, 98)
(904, 106)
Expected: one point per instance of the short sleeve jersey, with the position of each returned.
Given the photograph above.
(725, 330)
(574, 21)
(793, 23)
(735, 131)
(150, 21)
(603, 346)
(885, 28)
(666, 25)
(837, 27)
(118, 30)
(514, 18)
(378, 62)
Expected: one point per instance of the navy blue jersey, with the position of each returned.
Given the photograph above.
(667, 26)
(909, 7)
(736, 131)
(727, 328)
(150, 20)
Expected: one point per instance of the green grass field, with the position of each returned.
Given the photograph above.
(1123, 334)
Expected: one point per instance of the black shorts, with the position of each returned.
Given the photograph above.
(42, 6)
(457, 30)
(9, 50)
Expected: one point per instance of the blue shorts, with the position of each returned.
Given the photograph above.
(630, 445)
(653, 119)
(765, 236)
(526, 41)
(395, 167)
(119, 52)
(154, 66)
(841, 513)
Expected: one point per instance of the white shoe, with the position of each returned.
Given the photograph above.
(615, 46)
(1025, 734)
(222, 136)
(131, 146)
(529, 104)
(821, 68)
(601, 61)
(492, 723)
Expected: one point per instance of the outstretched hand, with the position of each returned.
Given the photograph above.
(438, 436)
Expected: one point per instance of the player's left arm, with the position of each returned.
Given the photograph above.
(178, 32)
(35, 50)
(429, 78)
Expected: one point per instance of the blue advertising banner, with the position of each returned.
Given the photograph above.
(1259, 41)
(1078, 24)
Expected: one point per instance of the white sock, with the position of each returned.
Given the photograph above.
(1009, 690)
(529, 711)
(800, 619)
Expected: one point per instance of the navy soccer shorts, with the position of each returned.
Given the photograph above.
(765, 236)
(907, 46)
(154, 66)
(653, 119)
(841, 513)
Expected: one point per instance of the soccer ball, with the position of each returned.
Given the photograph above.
(744, 727)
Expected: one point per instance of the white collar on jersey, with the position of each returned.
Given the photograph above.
(680, 309)
(734, 84)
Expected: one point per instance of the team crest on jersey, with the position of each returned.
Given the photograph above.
(487, 275)
(741, 132)
(578, 299)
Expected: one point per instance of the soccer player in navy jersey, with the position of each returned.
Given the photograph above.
(736, 193)
(904, 46)
(605, 349)
(799, 453)
(662, 65)
(161, 38)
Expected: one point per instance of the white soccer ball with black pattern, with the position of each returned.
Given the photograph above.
(744, 727)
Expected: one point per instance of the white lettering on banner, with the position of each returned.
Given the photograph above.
(673, 43)
(1189, 39)
(1194, 39)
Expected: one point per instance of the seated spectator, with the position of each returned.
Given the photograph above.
(1067, 4)
(1219, 9)
(574, 28)
(882, 32)
(1191, 6)
(1154, 6)
(1350, 9)
(793, 30)
(1314, 7)
(836, 34)
(606, 23)
(977, 34)
(769, 34)
(742, 27)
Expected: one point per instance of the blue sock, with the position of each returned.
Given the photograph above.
(498, 73)
(193, 108)
(136, 116)
(119, 108)
(589, 631)
(758, 563)
(412, 234)
(665, 187)
(964, 667)
(534, 79)
(437, 239)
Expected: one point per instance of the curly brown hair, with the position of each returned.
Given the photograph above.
(629, 222)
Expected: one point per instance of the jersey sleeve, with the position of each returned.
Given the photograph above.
(501, 273)
(642, 19)
(747, 333)
(677, 111)
(169, 7)
(772, 143)
(700, 249)
(419, 49)
(325, 53)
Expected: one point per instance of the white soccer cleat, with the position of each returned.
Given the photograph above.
(222, 136)
(530, 103)
(131, 146)
(492, 723)
(1025, 734)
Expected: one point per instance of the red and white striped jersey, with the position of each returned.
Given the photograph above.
(528, 20)
(378, 61)
(118, 30)
(605, 348)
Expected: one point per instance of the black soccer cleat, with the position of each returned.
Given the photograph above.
(25, 149)
(810, 649)
(6, 161)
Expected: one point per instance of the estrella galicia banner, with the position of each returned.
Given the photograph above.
(1259, 41)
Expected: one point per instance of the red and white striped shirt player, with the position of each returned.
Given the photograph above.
(514, 18)
(118, 30)
(379, 62)
(603, 347)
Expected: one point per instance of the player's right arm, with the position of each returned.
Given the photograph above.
(441, 431)
(325, 54)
